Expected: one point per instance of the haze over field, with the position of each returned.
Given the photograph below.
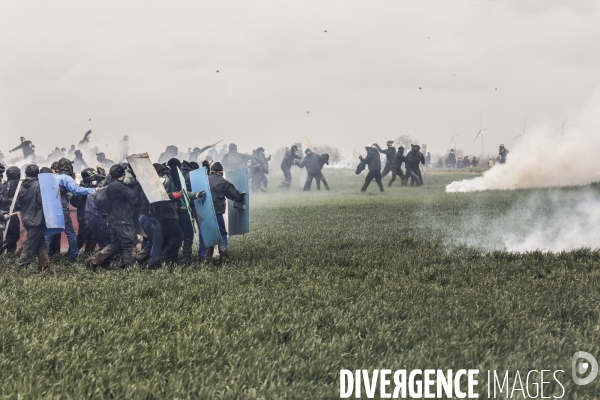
(191, 73)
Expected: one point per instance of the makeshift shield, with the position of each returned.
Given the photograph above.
(205, 210)
(53, 212)
(12, 206)
(239, 213)
(185, 199)
(147, 177)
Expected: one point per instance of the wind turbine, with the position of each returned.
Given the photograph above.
(525, 123)
(452, 140)
(482, 133)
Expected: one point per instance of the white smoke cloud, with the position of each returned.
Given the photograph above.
(547, 157)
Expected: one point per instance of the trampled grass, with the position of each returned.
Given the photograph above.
(325, 281)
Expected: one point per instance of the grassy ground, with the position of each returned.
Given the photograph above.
(325, 281)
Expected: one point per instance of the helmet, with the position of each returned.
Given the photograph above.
(116, 171)
(294, 148)
(390, 143)
(31, 171)
(13, 173)
(217, 167)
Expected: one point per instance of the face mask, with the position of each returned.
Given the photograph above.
(94, 183)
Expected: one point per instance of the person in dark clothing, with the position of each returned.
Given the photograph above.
(323, 159)
(503, 152)
(397, 162)
(106, 163)
(195, 153)
(439, 164)
(185, 222)
(474, 162)
(221, 153)
(68, 188)
(259, 168)
(428, 160)
(220, 189)
(413, 159)
(13, 175)
(29, 203)
(120, 223)
(170, 152)
(96, 220)
(312, 163)
(235, 160)
(25, 146)
(290, 158)
(78, 163)
(71, 151)
(167, 213)
(390, 152)
(372, 161)
(451, 160)
(152, 247)
(466, 162)
(85, 236)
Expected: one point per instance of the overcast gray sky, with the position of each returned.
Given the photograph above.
(149, 70)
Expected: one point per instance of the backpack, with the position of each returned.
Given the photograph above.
(101, 200)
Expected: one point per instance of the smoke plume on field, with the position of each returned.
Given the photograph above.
(556, 220)
(546, 156)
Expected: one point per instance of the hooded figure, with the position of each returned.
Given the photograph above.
(13, 175)
(78, 163)
(106, 163)
(220, 189)
(290, 158)
(71, 152)
(397, 167)
(234, 160)
(451, 159)
(185, 223)
(167, 213)
(29, 203)
(413, 159)
(259, 168)
(389, 156)
(373, 161)
(119, 221)
(323, 159)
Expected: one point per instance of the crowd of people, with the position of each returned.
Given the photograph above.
(112, 209)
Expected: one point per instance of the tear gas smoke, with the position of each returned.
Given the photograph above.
(546, 157)
(549, 221)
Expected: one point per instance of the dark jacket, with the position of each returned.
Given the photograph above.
(372, 160)
(220, 188)
(8, 193)
(312, 163)
(389, 152)
(413, 158)
(289, 159)
(235, 160)
(120, 197)
(398, 159)
(167, 209)
(29, 202)
(26, 147)
(194, 154)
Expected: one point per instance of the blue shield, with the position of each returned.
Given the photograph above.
(185, 199)
(205, 210)
(53, 212)
(239, 213)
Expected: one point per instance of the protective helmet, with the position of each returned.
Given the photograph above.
(173, 162)
(116, 171)
(161, 169)
(217, 167)
(390, 143)
(31, 171)
(261, 149)
(232, 146)
(308, 151)
(294, 148)
(13, 173)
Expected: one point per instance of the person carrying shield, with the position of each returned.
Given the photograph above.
(220, 189)
(29, 203)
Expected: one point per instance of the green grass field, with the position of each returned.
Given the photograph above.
(325, 281)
